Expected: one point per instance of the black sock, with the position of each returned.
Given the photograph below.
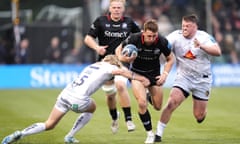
(146, 120)
(127, 113)
(113, 113)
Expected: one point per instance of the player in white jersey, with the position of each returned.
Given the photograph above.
(76, 96)
(193, 49)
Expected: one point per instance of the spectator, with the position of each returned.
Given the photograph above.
(22, 57)
(3, 53)
(54, 53)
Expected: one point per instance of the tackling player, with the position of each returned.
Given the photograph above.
(111, 30)
(76, 96)
(193, 49)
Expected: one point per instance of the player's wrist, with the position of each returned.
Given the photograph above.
(133, 76)
(166, 73)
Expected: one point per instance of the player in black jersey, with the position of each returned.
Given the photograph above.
(150, 46)
(111, 30)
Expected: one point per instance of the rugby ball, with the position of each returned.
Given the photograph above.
(130, 50)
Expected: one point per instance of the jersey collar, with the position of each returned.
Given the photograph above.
(109, 17)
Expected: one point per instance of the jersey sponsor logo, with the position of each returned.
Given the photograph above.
(114, 25)
(189, 55)
(116, 34)
(107, 25)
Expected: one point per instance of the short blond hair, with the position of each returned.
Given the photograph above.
(123, 1)
(113, 60)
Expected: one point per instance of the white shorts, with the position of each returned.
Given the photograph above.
(64, 105)
(200, 89)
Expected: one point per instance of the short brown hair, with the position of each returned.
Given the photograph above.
(191, 18)
(151, 25)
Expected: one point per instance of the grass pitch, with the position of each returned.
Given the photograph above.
(21, 108)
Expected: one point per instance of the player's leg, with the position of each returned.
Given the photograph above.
(81, 121)
(175, 99)
(139, 92)
(35, 128)
(201, 95)
(156, 93)
(124, 99)
(199, 109)
(110, 90)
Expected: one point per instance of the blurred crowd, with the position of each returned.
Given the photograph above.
(225, 21)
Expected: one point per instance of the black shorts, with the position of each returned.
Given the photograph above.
(150, 75)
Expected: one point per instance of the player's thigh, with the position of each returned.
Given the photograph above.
(139, 91)
(120, 82)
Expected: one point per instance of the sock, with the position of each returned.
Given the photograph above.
(146, 120)
(33, 129)
(127, 113)
(81, 121)
(160, 128)
(113, 113)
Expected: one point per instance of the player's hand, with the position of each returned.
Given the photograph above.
(101, 50)
(161, 79)
(126, 58)
(145, 82)
(196, 43)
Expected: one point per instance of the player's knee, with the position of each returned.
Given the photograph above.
(172, 105)
(120, 86)
(200, 116)
(109, 89)
(157, 107)
(142, 104)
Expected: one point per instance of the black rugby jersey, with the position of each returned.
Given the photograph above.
(148, 60)
(112, 33)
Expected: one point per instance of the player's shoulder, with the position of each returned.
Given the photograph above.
(176, 32)
(127, 18)
(201, 32)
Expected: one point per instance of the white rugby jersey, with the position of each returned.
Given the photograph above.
(89, 81)
(191, 61)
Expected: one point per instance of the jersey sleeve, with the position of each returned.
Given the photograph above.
(94, 29)
(135, 27)
(167, 47)
(208, 39)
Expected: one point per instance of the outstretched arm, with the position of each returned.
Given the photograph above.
(131, 75)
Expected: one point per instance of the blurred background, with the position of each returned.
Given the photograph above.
(52, 31)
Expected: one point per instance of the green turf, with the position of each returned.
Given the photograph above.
(20, 108)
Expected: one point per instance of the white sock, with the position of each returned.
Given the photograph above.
(160, 128)
(81, 121)
(33, 129)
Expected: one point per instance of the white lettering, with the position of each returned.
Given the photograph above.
(116, 34)
(41, 77)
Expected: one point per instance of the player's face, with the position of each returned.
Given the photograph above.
(149, 37)
(116, 9)
(188, 29)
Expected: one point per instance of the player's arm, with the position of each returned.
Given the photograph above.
(131, 75)
(213, 49)
(167, 67)
(91, 42)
